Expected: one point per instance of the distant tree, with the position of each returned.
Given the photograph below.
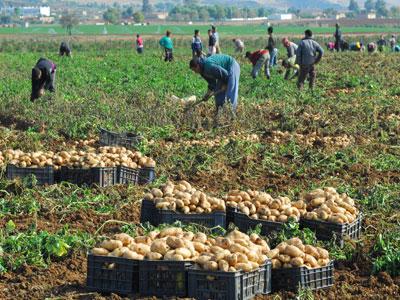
(5, 19)
(128, 12)
(293, 10)
(203, 14)
(261, 12)
(190, 2)
(219, 12)
(353, 6)
(369, 5)
(146, 8)
(380, 7)
(395, 12)
(112, 15)
(68, 21)
(17, 12)
(235, 12)
(330, 12)
(138, 17)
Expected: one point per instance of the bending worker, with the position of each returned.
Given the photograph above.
(43, 77)
(259, 59)
(222, 73)
(65, 49)
(290, 62)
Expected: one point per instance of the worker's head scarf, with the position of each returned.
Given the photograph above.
(358, 45)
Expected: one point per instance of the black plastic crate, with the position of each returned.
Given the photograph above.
(146, 175)
(127, 175)
(43, 175)
(126, 139)
(204, 285)
(107, 274)
(102, 177)
(163, 278)
(244, 223)
(325, 231)
(149, 213)
(293, 278)
(230, 214)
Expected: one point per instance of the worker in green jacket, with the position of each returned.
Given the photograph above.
(168, 46)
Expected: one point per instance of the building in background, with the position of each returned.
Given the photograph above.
(281, 17)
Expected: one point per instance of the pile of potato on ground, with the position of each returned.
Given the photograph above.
(182, 197)
(328, 205)
(236, 251)
(293, 254)
(92, 157)
(262, 206)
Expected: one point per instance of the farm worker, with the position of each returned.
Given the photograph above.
(392, 42)
(197, 46)
(168, 45)
(271, 47)
(381, 43)
(307, 58)
(211, 43)
(239, 45)
(259, 59)
(216, 35)
(222, 72)
(139, 44)
(338, 38)
(371, 47)
(357, 46)
(43, 77)
(289, 65)
(65, 49)
(330, 46)
(396, 48)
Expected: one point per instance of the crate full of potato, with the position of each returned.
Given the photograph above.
(331, 215)
(251, 208)
(235, 267)
(296, 265)
(182, 202)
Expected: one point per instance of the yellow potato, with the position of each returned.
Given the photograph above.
(317, 201)
(323, 262)
(171, 231)
(202, 259)
(99, 251)
(323, 253)
(252, 256)
(296, 261)
(254, 265)
(311, 250)
(210, 266)
(232, 259)
(246, 267)
(311, 260)
(236, 248)
(284, 258)
(200, 237)
(118, 252)
(281, 247)
(157, 193)
(174, 242)
(177, 257)
(132, 255)
(153, 256)
(142, 239)
(143, 249)
(159, 246)
(224, 243)
(126, 239)
(184, 252)
(188, 235)
(110, 245)
(276, 263)
(242, 258)
(223, 265)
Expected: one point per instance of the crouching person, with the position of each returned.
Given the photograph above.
(65, 49)
(222, 73)
(43, 78)
(259, 59)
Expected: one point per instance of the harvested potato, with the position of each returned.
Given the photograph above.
(100, 251)
(111, 245)
(159, 246)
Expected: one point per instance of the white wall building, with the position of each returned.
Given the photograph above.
(281, 17)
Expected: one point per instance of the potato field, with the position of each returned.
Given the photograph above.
(301, 184)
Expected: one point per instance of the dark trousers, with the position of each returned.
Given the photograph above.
(306, 70)
(168, 55)
(139, 50)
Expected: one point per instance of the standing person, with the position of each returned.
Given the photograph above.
(381, 43)
(197, 46)
(239, 45)
(65, 49)
(392, 42)
(211, 43)
(222, 72)
(259, 59)
(168, 46)
(338, 38)
(216, 35)
(139, 44)
(43, 77)
(290, 62)
(309, 53)
(271, 47)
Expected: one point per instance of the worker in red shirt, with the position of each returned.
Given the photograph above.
(139, 44)
(259, 59)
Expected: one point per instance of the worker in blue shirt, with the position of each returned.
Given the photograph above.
(222, 72)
